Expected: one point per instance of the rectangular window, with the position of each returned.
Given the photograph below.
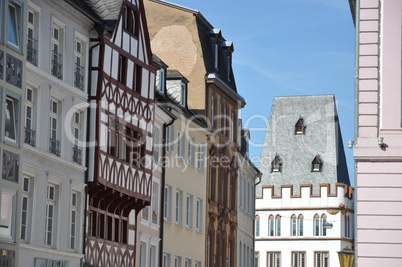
(157, 146)
(166, 260)
(77, 151)
(30, 115)
(57, 52)
(32, 40)
(256, 257)
(79, 68)
(73, 220)
(25, 209)
(167, 202)
(137, 79)
(179, 207)
(293, 230)
(273, 259)
(191, 151)
(199, 213)
(187, 263)
(7, 213)
(155, 202)
(160, 76)
(170, 139)
(177, 261)
(14, 24)
(54, 143)
(189, 211)
(152, 256)
(201, 157)
(321, 259)
(180, 144)
(143, 254)
(298, 259)
(122, 70)
(50, 214)
(257, 227)
(197, 264)
(11, 132)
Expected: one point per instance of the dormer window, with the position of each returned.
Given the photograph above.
(316, 164)
(276, 165)
(299, 127)
(129, 20)
(216, 56)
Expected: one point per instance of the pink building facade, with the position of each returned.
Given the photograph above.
(378, 143)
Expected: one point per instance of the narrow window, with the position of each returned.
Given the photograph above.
(77, 152)
(25, 209)
(257, 226)
(179, 207)
(14, 25)
(300, 219)
(121, 72)
(201, 157)
(54, 145)
(29, 117)
(73, 219)
(316, 225)
(57, 52)
(199, 217)
(323, 223)
(7, 213)
(293, 225)
(278, 225)
(11, 119)
(137, 79)
(167, 202)
(189, 211)
(155, 202)
(79, 69)
(32, 40)
(271, 225)
(50, 214)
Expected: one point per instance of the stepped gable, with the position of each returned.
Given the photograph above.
(304, 141)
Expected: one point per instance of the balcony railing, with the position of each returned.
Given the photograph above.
(57, 65)
(79, 77)
(30, 137)
(77, 155)
(32, 51)
(54, 147)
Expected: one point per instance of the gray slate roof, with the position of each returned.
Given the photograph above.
(322, 137)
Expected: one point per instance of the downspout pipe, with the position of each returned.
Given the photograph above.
(165, 126)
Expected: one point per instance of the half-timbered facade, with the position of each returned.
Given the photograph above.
(122, 113)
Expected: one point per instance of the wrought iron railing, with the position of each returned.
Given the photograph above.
(32, 51)
(77, 155)
(30, 137)
(79, 75)
(57, 65)
(54, 147)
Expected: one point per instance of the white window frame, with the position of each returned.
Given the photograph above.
(273, 259)
(187, 263)
(298, 259)
(170, 139)
(199, 215)
(319, 258)
(157, 146)
(197, 264)
(33, 27)
(201, 157)
(50, 219)
(189, 211)
(7, 221)
(14, 117)
(74, 220)
(179, 207)
(167, 203)
(18, 23)
(191, 151)
(166, 260)
(143, 254)
(180, 144)
(155, 202)
(80, 60)
(177, 261)
(26, 208)
(57, 41)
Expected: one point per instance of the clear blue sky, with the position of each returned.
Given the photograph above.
(285, 48)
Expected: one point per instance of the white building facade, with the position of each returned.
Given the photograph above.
(53, 171)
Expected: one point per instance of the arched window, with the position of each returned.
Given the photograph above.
(278, 225)
(316, 164)
(271, 228)
(300, 223)
(316, 225)
(293, 225)
(276, 165)
(299, 127)
(323, 222)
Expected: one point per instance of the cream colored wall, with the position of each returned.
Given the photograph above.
(174, 38)
(179, 240)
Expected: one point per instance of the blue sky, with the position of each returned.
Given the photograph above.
(285, 48)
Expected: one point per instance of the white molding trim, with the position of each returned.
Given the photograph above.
(50, 251)
(32, 80)
(77, 186)
(54, 178)
(30, 170)
(57, 93)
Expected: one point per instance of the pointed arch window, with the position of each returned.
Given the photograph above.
(316, 225)
(323, 222)
(278, 225)
(300, 224)
(276, 165)
(293, 225)
(271, 223)
(300, 127)
(316, 164)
